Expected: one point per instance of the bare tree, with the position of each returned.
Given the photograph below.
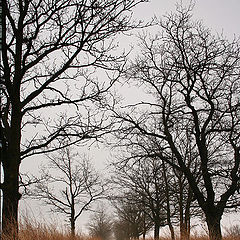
(121, 230)
(51, 50)
(153, 182)
(132, 221)
(100, 225)
(145, 174)
(142, 185)
(193, 79)
(71, 185)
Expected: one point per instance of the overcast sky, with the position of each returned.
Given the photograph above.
(218, 15)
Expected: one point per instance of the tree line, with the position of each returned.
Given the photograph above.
(178, 151)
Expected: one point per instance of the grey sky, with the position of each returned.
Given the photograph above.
(218, 15)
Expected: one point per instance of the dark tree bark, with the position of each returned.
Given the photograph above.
(11, 161)
(169, 222)
(156, 233)
(213, 220)
(72, 217)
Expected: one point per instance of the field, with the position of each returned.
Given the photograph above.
(32, 230)
(41, 232)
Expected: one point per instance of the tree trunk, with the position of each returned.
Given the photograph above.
(172, 231)
(72, 220)
(156, 231)
(183, 231)
(169, 222)
(144, 235)
(11, 197)
(214, 227)
(187, 217)
(135, 232)
(72, 229)
(185, 225)
(10, 187)
(144, 226)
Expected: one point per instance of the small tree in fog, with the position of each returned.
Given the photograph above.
(71, 185)
(132, 219)
(100, 225)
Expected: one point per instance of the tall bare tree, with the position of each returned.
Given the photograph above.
(69, 185)
(193, 79)
(51, 49)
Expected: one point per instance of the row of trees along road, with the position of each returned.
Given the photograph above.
(161, 195)
(187, 131)
(125, 224)
(128, 222)
(191, 121)
(50, 51)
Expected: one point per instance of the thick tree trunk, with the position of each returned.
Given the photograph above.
(214, 227)
(11, 198)
(10, 187)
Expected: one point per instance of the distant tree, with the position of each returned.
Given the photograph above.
(123, 229)
(142, 185)
(193, 79)
(132, 221)
(120, 230)
(50, 52)
(70, 185)
(100, 225)
(151, 182)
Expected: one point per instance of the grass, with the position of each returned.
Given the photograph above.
(32, 230)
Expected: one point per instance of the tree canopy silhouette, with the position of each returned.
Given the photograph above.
(51, 50)
(191, 120)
